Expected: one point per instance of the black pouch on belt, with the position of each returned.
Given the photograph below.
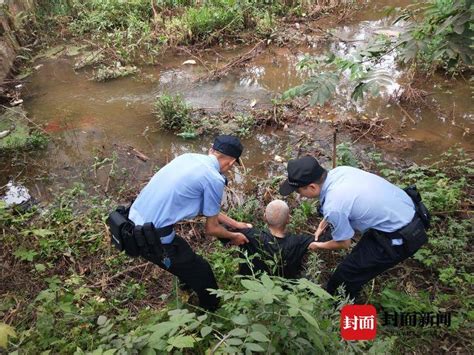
(420, 207)
(153, 240)
(139, 245)
(117, 222)
(121, 230)
(414, 235)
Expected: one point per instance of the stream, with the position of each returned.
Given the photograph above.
(87, 119)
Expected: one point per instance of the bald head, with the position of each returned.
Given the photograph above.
(277, 213)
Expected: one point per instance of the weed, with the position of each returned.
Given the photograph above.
(300, 216)
(246, 124)
(345, 155)
(204, 21)
(171, 112)
(250, 212)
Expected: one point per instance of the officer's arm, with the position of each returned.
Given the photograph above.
(341, 231)
(330, 245)
(232, 223)
(214, 228)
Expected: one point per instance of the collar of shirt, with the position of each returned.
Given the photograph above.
(215, 162)
(324, 188)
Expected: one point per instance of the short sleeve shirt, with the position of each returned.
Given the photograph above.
(356, 200)
(285, 253)
(190, 185)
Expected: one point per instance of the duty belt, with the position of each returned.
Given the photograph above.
(413, 235)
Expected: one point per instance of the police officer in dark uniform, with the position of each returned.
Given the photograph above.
(190, 185)
(391, 221)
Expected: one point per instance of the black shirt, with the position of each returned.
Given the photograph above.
(276, 256)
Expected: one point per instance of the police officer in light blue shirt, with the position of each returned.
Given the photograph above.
(190, 185)
(354, 200)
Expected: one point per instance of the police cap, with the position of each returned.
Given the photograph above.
(229, 145)
(301, 172)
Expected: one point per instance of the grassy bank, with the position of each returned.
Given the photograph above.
(64, 288)
(139, 30)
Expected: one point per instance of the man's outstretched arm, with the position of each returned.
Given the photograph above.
(330, 245)
(214, 228)
(232, 223)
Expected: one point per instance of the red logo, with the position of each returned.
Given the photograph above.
(358, 322)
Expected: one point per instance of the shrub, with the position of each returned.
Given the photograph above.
(171, 112)
(206, 20)
(268, 314)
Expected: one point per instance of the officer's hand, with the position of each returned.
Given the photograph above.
(243, 225)
(239, 239)
(322, 226)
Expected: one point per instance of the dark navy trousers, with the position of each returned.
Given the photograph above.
(191, 269)
(370, 257)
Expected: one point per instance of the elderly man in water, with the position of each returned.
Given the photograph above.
(273, 249)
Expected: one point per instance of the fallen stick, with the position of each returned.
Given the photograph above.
(217, 73)
(138, 154)
(406, 113)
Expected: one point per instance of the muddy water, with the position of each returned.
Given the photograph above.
(88, 119)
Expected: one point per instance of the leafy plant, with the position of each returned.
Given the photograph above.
(300, 216)
(441, 39)
(203, 21)
(171, 112)
(345, 155)
(249, 211)
(246, 123)
(328, 71)
(307, 322)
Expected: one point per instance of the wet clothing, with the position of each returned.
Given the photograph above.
(188, 186)
(276, 256)
(354, 200)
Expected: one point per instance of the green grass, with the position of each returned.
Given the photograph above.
(64, 295)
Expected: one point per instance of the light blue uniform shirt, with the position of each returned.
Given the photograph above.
(189, 185)
(355, 200)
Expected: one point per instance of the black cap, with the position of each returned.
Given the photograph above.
(229, 145)
(301, 172)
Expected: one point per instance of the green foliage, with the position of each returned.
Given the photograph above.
(138, 30)
(326, 72)
(345, 155)
(249, 212)
(204, 21)
(82, 296)
(171, 112)
(307, 322)
(301, 214)
(24, 254)
(6, 332)
(441, 39)
(224, 263)
(246, 124)
(445, 261)
(19, 136)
